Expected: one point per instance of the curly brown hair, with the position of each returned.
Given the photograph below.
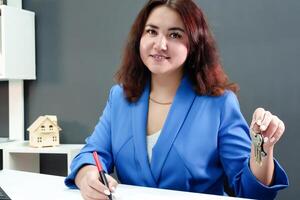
(202, 65)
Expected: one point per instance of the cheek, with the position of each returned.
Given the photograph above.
(181, 53)
(144, 47)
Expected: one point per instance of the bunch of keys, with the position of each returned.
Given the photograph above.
(258, 142)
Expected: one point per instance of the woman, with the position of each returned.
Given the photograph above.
(173, 121)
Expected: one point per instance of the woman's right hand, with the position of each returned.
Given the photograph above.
(87, 180)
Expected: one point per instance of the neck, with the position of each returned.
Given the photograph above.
(164, 87)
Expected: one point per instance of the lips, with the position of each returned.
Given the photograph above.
(159, 57)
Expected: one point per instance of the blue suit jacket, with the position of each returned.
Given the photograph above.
(204, 139)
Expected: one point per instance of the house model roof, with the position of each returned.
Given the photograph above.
(41, 119)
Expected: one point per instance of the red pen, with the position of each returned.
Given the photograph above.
(101, 172)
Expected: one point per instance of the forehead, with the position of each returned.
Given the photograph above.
(163, 16)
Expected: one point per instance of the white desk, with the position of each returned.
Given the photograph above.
(18, 155)
(32, 186)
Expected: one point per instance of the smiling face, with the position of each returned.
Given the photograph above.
(164, 43)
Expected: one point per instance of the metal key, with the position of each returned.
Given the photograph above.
(258, 143)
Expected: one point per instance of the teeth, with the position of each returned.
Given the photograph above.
(158, 57)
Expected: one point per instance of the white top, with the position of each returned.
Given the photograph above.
(151, 141)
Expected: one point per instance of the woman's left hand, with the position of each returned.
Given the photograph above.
(269, 125)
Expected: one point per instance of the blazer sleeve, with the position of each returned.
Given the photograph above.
(100, 141)
(234, 149)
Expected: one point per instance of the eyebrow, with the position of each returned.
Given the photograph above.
(170, 29)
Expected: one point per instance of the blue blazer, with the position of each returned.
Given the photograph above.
(204, 139)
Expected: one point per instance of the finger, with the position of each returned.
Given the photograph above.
(112, 183)
(257, 118)
(255, 127)
(272, 127)
(92, 194)
(98, 197)
(266, 121)
(278, 133)
(98, 186)
(258, 115)
(85, 197)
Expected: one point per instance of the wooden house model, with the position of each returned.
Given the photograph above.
(44, 131)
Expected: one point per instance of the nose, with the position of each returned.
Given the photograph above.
(161, 43)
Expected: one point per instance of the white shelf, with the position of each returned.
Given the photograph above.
(17, 63)
(17, 59)
(23, 147)
(18, 155)
(17, 44)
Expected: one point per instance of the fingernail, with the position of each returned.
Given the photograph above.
(272, 139)
(266, 139)
(106, 192)
(258, 122)
(263, 127)
(113, 189)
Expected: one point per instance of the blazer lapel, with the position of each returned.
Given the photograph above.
(139, 124)
(182, 102)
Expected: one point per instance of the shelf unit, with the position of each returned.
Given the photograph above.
(17, 63)
(17, 46)
(19, 155)
(17, 59)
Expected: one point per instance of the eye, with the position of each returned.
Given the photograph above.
(151, 32)
(175, 35)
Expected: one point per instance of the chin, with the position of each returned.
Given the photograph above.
(157, 70)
